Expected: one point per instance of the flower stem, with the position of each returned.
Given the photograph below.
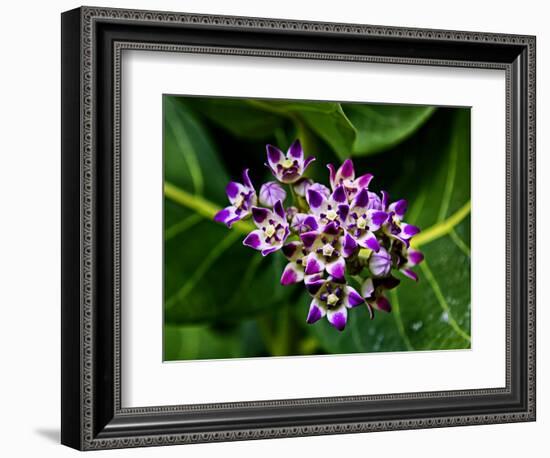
(443, 228)
(294, 196)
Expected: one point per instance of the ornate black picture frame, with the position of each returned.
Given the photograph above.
(92, 42)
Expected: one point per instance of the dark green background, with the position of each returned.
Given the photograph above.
(223, 300)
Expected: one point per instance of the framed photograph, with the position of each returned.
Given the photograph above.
(276, 228)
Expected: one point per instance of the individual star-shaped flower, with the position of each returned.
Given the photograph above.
(287, 168)
(395, 227)
(407, 259)
(332, 299)
(327, 250)
(345, 176)
(242, 197)
(272, 229)
(303, 222)
(361, 222)
(294, 270)
(331, 209)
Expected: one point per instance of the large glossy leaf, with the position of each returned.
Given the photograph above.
(435, 312)
(380, 127)
(326, 119)
(349, 128)
(240, 118)
(209, 275)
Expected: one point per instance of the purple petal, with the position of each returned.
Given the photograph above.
(364, 180)
(346, 170)
(227, 216)
(415, 257)
(291, 274)
(285, 234)
(315, 313)
(308, 238)
(274, 156)
(279, 210)
(367, 288)
(255, 240)
(321, 189)
(343, 211)
(246, 179)
(349, 245)
(378, 218)
(270, 250)
(339, 195)
(232, 190)
(308, 161)
(311, 222)
(332, 175)
(410, 273)
(223, 215)
(385, 199)
(332, 228)
(362, 198)
(353, 297)
(259, 214)
(315, 199)
(381, 303)
(313, 265)
(375, 202)
(399, 208)
(409, 230)
(337, 268)
(271, 192)
(338, 318)
(295, 150)
(313, 283)
(371, 242)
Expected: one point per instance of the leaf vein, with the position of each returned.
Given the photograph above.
(442, 301)
(214, 254)
(398, 320)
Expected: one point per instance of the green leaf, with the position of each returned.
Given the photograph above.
(209, 276)
(348, 128)
(435, 312)
(326, 119)
(194, 342)
(380, 127)
(238, 117)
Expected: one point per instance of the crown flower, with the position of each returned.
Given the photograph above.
(330, 236)
(332, 299)
(289, 167)
(242, 197)
(345, 176)
(272, 229)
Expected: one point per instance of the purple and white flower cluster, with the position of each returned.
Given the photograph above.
(328, 235)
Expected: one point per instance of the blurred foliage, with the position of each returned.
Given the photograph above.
(223, 300)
